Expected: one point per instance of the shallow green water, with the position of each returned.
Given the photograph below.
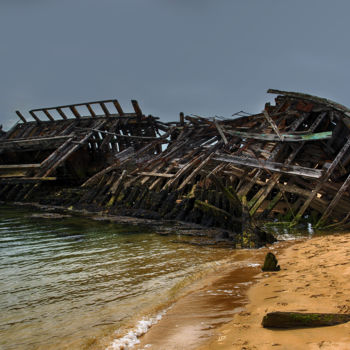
(70, 283)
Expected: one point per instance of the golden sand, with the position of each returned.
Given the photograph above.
(314, 277)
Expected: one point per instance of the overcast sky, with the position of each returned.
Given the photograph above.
(196, 56)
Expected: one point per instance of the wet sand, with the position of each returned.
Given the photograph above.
(314, 277)
(211, 302)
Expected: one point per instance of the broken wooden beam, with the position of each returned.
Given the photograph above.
(286, 320)
(258, 199)
(32, 144)
(21, 116)
(49, 116)
(273, 124)
(145, 173)
(218, 127)
(212, 209)
(324, 179)
(26, 180)
(35, 117)
(195, 172)
(19, 166)
(75, 111)
(61, 113)
(284, 136)
(125, 136)
(137, 108)
(118, 107)
(105, 109)
(91, 111)
(333, 203)
(273, 166)
(182, 119)
(316, 99)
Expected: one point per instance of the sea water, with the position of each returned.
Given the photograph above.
(74, 283)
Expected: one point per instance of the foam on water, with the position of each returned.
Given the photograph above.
(253, 264)
(129, 340)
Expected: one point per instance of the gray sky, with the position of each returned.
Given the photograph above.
(196, 56)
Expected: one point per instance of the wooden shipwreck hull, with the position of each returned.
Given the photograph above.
(291, 162)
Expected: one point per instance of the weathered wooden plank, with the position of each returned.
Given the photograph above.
(35, 117)
(108, 138)
(158, 180)
(195, 171)
(182, 171)
(218, 127)
(69, 127)
(42, 143)
(4, 189)
(117, 184)
(104, 188)
(229, 194)
(91, 111)
(75, 104)
(26, 180)
(323, 180)
(279, 147)
(145, 173)
(258, 199)
(334, 202)
(12, 173)
(105, 109)
(32, 139)
(49, 116)
(45, 163)
(154, 170)
(273, 166)
(136, 107)
(206, 207)
(216, 170)
(21, 116)
(75, 111)
(286, 137)
(118, 107)
(136, 137)
(92, 180)
(271, 204)
(61, 113)
(182, 119)
(273, 125)
(19, 166)
(316, 99)
(28, 132)
(75, 147)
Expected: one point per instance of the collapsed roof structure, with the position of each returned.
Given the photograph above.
(290, 162)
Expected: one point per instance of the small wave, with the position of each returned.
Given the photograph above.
(253, 264)
(132, 337)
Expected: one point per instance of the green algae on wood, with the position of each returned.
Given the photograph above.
(286, 320)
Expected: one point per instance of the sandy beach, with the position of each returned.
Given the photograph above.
(208, 303)
(314, 277)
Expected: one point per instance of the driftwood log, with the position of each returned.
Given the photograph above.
(302, 320)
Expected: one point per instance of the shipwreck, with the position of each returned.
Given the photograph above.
(290, 163)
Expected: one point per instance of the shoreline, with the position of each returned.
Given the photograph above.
(314, 277)
(237, 324)
(208, 304)
(102, 278)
